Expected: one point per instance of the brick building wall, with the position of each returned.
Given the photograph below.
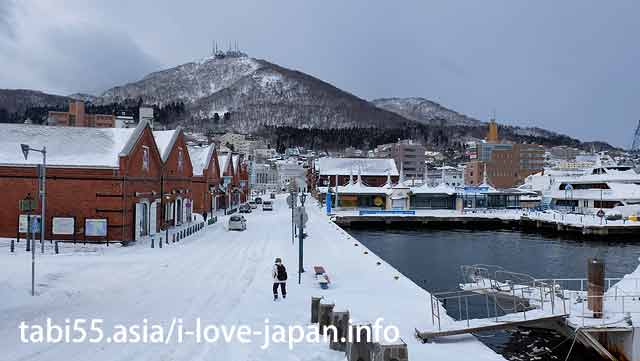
(86, 193)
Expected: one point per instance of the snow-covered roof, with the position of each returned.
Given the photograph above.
(67, 146)
(236, 161)
(200, 157)
(439, 189)
(366, 166)
(222, 162)
(165, 139)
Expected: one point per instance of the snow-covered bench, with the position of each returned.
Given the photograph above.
(322, 277)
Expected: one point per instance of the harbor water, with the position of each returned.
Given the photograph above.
(432, 259)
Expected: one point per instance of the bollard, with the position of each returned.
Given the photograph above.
(13, 246)
(398, 352)
(160, 244)
(174, 238)
(28, 245)
(338, 334)
(315, 307)
(56, 248)
(359, 348)
(152, 242)
(325, 313)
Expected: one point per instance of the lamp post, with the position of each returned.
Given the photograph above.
(303, 197)
(25, 151)
(292, 197)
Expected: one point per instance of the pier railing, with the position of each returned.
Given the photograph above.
(494, 294)
(497, 301)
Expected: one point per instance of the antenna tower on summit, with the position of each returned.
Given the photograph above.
(636, 138)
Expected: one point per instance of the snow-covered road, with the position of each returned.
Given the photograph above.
(221, 277)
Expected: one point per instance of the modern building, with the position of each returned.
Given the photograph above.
(408, 155)
(146, 114)
(124, 121)
(506, 164)
(77, 117)
(264, 177)
(292, 172)
(447, 175)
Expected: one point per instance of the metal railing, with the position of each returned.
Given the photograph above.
(495, 303)
(502, 292)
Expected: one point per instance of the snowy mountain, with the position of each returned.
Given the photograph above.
(18, 100)
(424, 111)
(256, 93)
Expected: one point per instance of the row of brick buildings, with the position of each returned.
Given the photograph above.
(135, 181)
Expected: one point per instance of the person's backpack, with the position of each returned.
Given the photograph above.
(282, 273)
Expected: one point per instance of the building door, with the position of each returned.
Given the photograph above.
(141, 220)
(153, 212)
(179, 213)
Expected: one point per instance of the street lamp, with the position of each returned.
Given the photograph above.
(25, 151)
(303, 197)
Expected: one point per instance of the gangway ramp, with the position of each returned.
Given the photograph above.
(482, 325)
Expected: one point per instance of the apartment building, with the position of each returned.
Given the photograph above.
(408, 156)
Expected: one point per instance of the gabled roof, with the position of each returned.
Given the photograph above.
(439, 189)
(67, 146)
(200, 158)
(165, 139)
(223, 162)
(366, 166)
(236, 162)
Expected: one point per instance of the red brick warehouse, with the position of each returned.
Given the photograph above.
(92, 174)
(206, 178)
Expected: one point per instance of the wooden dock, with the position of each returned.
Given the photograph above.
(460, 328)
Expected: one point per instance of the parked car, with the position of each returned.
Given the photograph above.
(258, 200)
(237, 223)
(272, 196)
(253, 204)
(267, 206)
(244, 208)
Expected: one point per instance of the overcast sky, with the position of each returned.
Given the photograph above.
(568, 66)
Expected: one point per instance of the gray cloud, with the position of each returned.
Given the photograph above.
(567, 66)
(6, 18)
(91, 59)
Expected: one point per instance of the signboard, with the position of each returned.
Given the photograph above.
(63, 225)
(23, 221)
(95, 227)
(27, 205)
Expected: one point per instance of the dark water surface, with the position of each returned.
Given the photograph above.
(432, 259)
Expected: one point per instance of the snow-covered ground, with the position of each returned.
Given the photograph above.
(221, 277)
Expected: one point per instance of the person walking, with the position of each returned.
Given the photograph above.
(279, 275)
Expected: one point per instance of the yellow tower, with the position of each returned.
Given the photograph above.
(492, 135)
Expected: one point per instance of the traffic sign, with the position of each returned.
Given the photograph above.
(295, 200)
(600, 213)
(296, 216)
